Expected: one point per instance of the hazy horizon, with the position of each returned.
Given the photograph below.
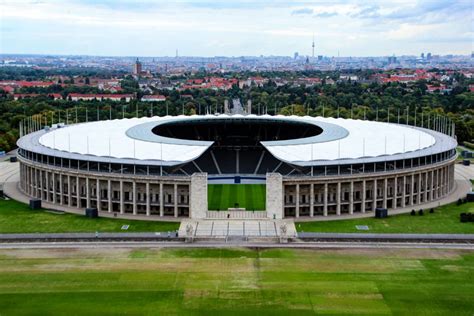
(125, 28)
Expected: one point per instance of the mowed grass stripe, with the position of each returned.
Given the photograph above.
(214, 194)
(232, 194)
(236, 281)
(249, 201)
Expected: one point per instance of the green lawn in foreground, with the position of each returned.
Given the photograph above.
(236, 282)
(16, 217)
(249, 196)
(444, 220)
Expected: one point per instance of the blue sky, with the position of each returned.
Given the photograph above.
(236, 28)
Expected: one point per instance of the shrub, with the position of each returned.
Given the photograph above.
(420, 212)
(469, 145)
(432, 210)
(467, 217)
(412, 213)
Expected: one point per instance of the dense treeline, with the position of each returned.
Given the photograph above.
(344, 99)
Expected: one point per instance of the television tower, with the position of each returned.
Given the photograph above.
(313, 46)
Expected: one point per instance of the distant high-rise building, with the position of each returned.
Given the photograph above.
(137, 67)
(295, 56)
(177, 53)
(392, 59)
(422, 55)
(320, 57)
(428, 56)
(313, 47)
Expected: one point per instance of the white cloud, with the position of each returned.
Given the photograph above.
(410, 31)
(233, 27)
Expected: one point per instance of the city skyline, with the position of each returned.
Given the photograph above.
(237, 28)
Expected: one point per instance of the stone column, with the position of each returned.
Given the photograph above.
(61, 189)
(53, 179)
(404, 191)
(297, 207)
(69, 191)
(78, 193)
(436, 189)
(27, 177)
(431, 185)
(97, 195)
(325, 202)
(311, 200)
(451, 178)
(338, 199)
(88, 193)
(175, 200)
(419, 186)
(412, 188)
(374, 196)
(109, 196)
(445, 181)
(47, 185)
(33, 182)
(385, 193)
(39, 176)
(425, 186)
(395, 193)
(162, 201)
(364, 196)
(147, 197)
(351, 198)
(39, 184)
(441, 183)
(122, 207)
(198, 196)
(36, 179)
(134, 197)
(31, 187)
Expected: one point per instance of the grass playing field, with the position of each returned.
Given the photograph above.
(445, 219)
(16, 217)
(236, 282)
(249, 196)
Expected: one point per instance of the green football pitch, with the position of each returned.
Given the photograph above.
(128, 281)
(249, 196)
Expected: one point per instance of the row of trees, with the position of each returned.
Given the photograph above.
(348, 100)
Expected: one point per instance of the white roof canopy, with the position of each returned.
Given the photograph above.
(341, 139)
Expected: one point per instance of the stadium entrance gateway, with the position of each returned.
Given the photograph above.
(224, 200)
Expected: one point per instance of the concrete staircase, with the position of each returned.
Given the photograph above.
(253, 229)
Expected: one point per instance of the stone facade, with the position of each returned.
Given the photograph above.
(113, 193)
(286, 196)
(361, 193)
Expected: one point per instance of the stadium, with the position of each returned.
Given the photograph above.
(237, 166)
